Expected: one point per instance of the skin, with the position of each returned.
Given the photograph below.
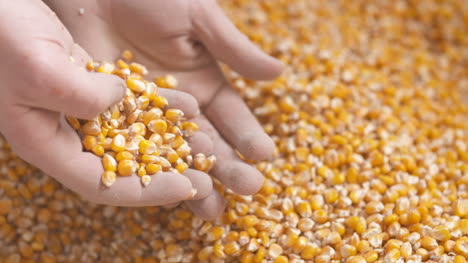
(182, 37)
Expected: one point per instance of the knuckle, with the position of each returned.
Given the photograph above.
(39, 68)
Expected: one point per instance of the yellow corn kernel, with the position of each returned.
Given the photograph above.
(370, 256)
(231, 248)
(250, 221)
(441, 233)
(205, 253)
(89, 142)
(281, 259)
(461, 208)
(310, 251)
(160, 102)
(302, 154)
(218, 250)
(352, 175)
(126, 167)
(141, 171)
(108, 178)
(320, 216)
(406, 249)
(109, 163)
(338, 178)
(74, 123)
(153, 168)
(167, 82)
(287, 105)
(215, 233)
(356, 259)
(90, 66)
(121, 64)
(137, 128)
(338, 139)
(414, 217)
(145, 180)
(105, 68)
(157, 139)
(200, 162)
(300, 244)
(142, 103)
(118, 143)
(459, 259)
(135, 85)
(357, 224)
(392, 255)
(147, 147)
(348, 251)
(461, 246)
(232, 236)
(124, 155)
(260, 255)
(138, 68)
(168, 138)
(317, 149)
(304, 209)
(393, 244)
(181, 167)
(189, 128)
(148, 159)
(127, 55)
(172, 156)
(247, 257)
(331, 196)
(98, 150)
(158, 126)
(151, 91)
(151, 115)
(173, 115)
(177, 142)
(463, 226)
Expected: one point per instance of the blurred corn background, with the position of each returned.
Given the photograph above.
(371, 161)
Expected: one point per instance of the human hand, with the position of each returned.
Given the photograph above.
(40, 83)
(187, 38)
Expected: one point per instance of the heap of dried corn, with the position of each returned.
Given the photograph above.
(139, 135)
(371, 162)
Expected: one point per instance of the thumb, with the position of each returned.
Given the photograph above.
(227, 44)
(59, 85)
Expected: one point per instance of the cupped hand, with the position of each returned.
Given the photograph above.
(187, 39)
(42, 79)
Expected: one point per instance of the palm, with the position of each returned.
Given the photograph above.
(185, 38)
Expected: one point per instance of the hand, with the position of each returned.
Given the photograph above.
(42, 77)
(187, 39)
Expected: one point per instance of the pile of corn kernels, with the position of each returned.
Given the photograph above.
(140, 134)
(371, 161)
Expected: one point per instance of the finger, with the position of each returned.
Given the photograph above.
(79, 56)
(58, 152)
(201, 182)
(164, 189)
(229, 45)
(208, 208)
(181, 100)
(59, 85)
(236, 123)
(229, 169)
(200, 143)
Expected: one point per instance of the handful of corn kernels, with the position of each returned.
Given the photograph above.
(139, 135)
